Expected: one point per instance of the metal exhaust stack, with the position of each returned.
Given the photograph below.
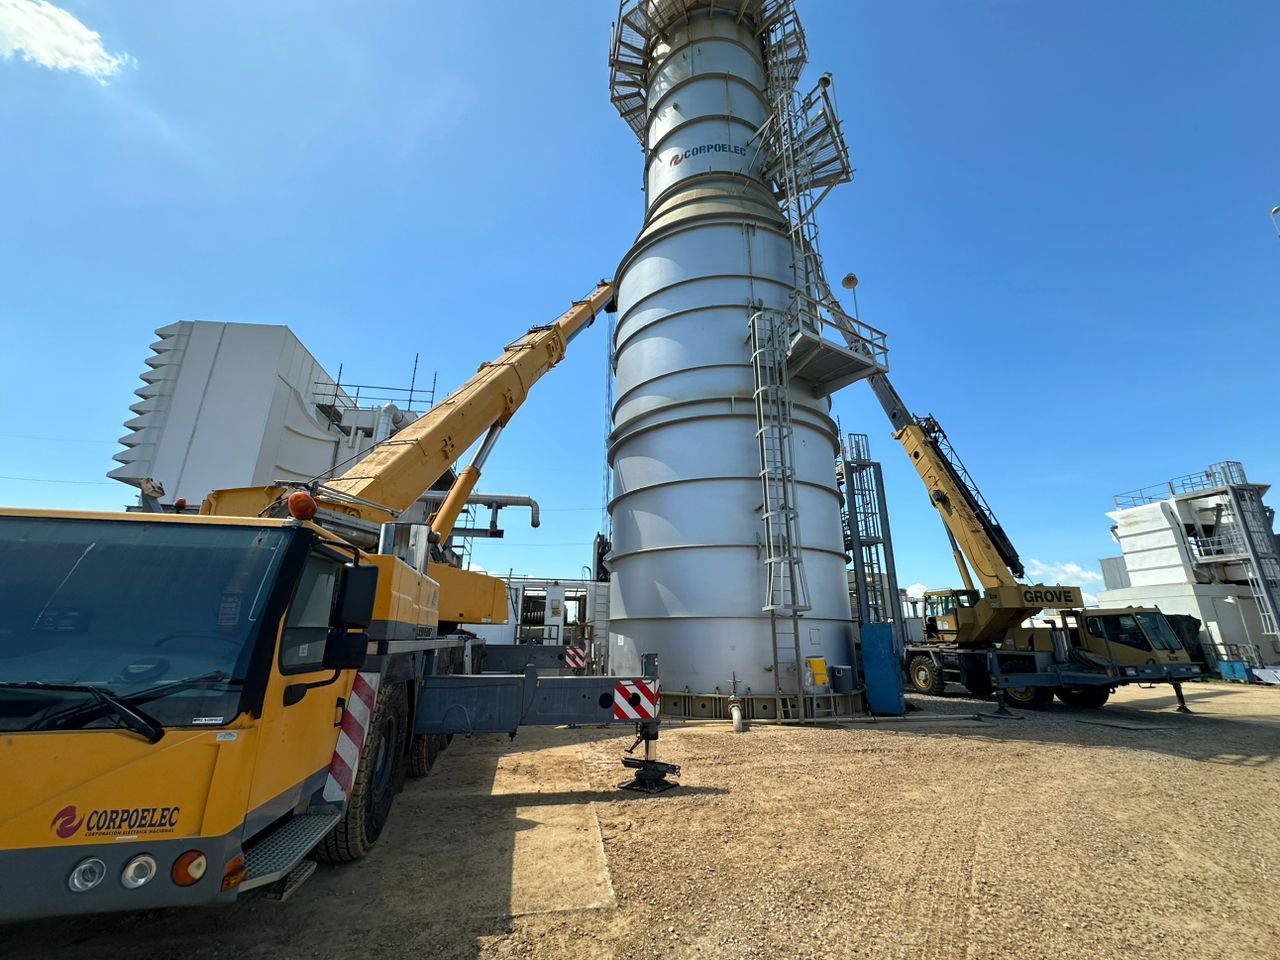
(728, 553)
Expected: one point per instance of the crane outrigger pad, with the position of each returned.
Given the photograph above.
(651, 775)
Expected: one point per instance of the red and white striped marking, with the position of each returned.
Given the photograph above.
(575, 658)
(355, 726)
(636, 700)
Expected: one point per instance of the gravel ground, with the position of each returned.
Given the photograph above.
(1131, 832)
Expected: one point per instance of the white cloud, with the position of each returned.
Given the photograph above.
(1070, 574)
(39, 32)
(916, 590)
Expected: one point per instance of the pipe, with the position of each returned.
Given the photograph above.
(389, 418)
(493, 500)
(443, 520)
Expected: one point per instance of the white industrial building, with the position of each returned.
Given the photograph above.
(234, 405)
(1202, 545)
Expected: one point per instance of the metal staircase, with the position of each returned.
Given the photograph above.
(806, 158)
(1262, 565)
(874, 590)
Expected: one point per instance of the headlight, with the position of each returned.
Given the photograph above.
(138, 871)
(86, 875)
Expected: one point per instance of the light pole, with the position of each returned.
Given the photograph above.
(1274, 212)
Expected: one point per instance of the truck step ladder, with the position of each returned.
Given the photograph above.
(288, 885)
(280, 851)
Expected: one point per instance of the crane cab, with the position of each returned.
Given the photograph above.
(950, 614)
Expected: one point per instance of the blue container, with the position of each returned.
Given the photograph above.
(1236, 670)
(882, 669)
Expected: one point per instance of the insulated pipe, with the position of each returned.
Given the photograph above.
(443, 520)
(494, 500)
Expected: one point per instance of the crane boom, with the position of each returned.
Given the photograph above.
(401, 468)
(975, 532)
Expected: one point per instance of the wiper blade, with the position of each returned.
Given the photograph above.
(186, 683)
(127, 715)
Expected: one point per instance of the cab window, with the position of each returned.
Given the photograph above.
(306, 628)
(1122, 628)
(1159, 631)
(941, 606)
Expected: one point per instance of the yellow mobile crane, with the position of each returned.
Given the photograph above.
(980, 639)
(190, 704)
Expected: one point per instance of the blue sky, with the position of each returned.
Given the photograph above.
(1060, 216)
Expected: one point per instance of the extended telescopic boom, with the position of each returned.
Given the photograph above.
(401, 468)
(976, 534)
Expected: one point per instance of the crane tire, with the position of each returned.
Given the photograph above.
(423, 752)
(926, 676)
(1028, 698)
(378, 779)
(1088, 698)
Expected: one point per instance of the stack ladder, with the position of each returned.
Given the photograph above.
(786, 590)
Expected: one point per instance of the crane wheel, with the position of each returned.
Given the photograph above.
(378, 779)
(424, 750)
(926, 676)
(1028, 698)
(1089, 698)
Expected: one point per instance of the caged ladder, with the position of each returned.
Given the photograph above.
(786, 590)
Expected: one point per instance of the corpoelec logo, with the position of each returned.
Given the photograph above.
(680, 156)
(67, 821)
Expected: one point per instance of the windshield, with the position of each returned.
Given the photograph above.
(1158, 629)
(160, 615)
(1118, 628)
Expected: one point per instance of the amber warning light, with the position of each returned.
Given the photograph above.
(302, 505)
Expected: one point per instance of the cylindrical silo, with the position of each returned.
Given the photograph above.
(688, 578)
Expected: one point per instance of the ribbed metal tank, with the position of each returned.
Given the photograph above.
(688, 581)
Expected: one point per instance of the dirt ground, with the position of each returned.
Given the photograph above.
(1131, 832)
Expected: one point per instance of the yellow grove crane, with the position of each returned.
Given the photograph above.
(198, 701)
(979, 638)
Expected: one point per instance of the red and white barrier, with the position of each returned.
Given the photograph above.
(636, 700)
(575, 658)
